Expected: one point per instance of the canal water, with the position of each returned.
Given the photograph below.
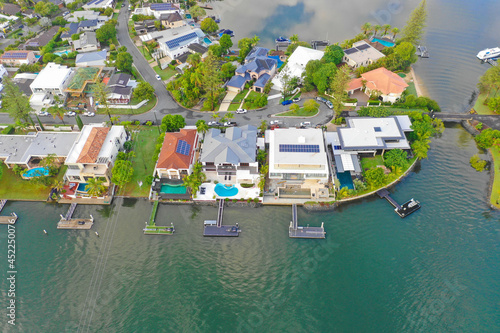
(435, 271)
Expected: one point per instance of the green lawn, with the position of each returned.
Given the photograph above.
(411, 89)
(13, 187)
(166, 73)
(371, 162)
(239, 98)
(145, 53)
(253, 95)
(480, 108)
(233, 107)
(495, 189)
(143, 164)
(300, 113)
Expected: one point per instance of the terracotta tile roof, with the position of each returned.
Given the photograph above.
(93, 146)
(168, 158)
(385, 81)
(355, 84)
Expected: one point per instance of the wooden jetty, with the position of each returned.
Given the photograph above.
(215, 228)
(153, 229)
(10, 219)
(403, 210)
(296, 231)
(492, 62)
(422, 52)
(67, 222)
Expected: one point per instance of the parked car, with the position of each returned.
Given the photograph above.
(305, 124)
(230, 123)
(70, 114)
(241, 111)
(321, 99)
(296, 99)
(66, 13)
(19, 33)
(275, 122)
(214, 123)
(43, 114)
(329, 104)
(287, 102)
(89, 114)
(158, 77)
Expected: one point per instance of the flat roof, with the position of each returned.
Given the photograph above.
(52, 76)
(306, 137)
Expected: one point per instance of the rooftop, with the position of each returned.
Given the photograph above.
(237, 145)
(82, 76)
(44, 38)
(93, 145)
(177, 150)
(361, 52)
(294, 146)
(385, 81)
(15, 54)
(52, 76)
(196, 47)
(173, 17)
(91, 56)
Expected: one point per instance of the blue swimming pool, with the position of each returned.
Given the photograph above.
(36, 172)
(173, 189)
(63, 52)
(207, 41)
(225, 191)
(345, 180)
(383, 42)
(81, 187)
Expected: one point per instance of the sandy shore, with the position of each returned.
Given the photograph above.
(418, 87)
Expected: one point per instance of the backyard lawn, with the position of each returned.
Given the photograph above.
(371, 162)
(411, 89)
(13, 187)
(480, 107)
(143, 164)
(166, 73)
(495, 189)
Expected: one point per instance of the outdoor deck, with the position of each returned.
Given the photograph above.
(67, 222)
(422, 52)
(153, 229)
(403, 210)
(215, 228)
(11, 219)
(296, 231)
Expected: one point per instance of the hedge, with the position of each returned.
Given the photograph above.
(8, 130)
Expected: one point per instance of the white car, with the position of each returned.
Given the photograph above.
(70, 114)
(275, 122)
(329, 104)
(241, 111)
(158, 77)
(305, 124)
(296, 99)
(43, 114)
(89, 114)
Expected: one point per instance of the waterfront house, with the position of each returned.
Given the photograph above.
(18, 58)
(298, 163)
(91, 59)
(381, 81)
(98, 4)
(173, 20)
(296, 64)
(156, 9)
(94, 152)
(52, 80)
(230, 157)
(120, 87)
(361, 54)
(258, 67)
(87, 43)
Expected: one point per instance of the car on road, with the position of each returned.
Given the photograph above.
(89, 114)
(287, 102)
(214, 123)
(123, 5)
(230, 124)
(296, 99)
(43, 114)
(329, 104)
(305, 124)
(275, 122)
(158, 77)
(241, 111)
(129, 7)
(321, 99)
(70, 113)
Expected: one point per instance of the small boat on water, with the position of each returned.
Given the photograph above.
(226, 32)
(489, 53)
(282, 39)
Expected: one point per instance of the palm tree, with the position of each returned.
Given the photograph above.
(201, 126)
(57, 111)
(394, 31)
(215, 115)
(376, 29)
(197, 78)
(229, 116)
(386, 28)
(95, 187)
(22, 126)
(294, 39)
(194, 59)
(255, 40)
(366, 27)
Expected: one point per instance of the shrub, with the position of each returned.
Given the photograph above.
(247, 185)
(8, 130)
(478, 163)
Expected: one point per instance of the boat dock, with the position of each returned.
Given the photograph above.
(403, 210)
(215, 228)
(422, 52)
(296, 231)
(492, 62)
(153, 229)
(316, 43)
(68, 222)
(10, 219)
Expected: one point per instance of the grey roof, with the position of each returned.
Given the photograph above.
(119, 80)
(340, 165)
(183, 57)
(239, 81)
(263, 79)
(257, 65)
(256, 52)
(19, 148)
(44, 38)
(24, 85)
(88, 23)
(197, 48)
(119, 90)
(91, 56)
(88, 38)
(72, 29)
(237, 145)
(174, 17)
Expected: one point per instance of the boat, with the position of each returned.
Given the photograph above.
(281, 39)
(226, 32)
(489, 53)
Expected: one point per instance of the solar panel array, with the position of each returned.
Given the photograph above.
(176, 42)
(363, 47)
(349, 51)
(162, 6)
(286, 148)
(15, 55)
(183, 147)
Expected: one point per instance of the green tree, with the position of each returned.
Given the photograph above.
(420, 148)
(311, 106)
(294, 108)
(201, 126)
(294, 38)
(95, 187)
(45, 8)
(196, 12)
(212, 82)
(333, 53)
(489, 80)
(172, 123)
(261, 156)
(144, 90)
(396, 158)
(208, 25)
(263, 126)
(195, 179)
(292, 47)
(375, 177)
(386, 28)
(100, 92)
(367, 27)
(225, 42)
(17, 105)
(338, 88)
(194, 59)
(227, 70)
(494, 104)
(245, 45)
(376, 29)
(122, 172)
(105, 33)
(287, 84)
(216, 49)
(394, 31)
(414, 29)
(124, 62)
(477, 163)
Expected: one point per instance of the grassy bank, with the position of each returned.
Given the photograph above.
(299, 113)
(480, 108)
(495, 188)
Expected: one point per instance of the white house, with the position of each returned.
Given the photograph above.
(157, 9)
(298, 164)
(175, 42)
(97, 4)
(296, 64)
(231, 157)
(94, 152)
(90, 15)
(52, 80)
(361, 54)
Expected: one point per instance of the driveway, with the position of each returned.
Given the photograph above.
(227, 100)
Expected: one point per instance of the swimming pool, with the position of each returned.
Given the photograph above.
(225, 191)
(207, 41)
(383, 42)
(63, 52)
(345, 180)
(36, 172)
(173, 189)
(81, 187)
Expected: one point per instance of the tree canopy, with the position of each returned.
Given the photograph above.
(338, 87)
(45, 8)
(225, 42)
(334, 54)
(396, 158)
(172, 123)
(414, 29)
(197, 11)
(105, 33)
(122, 172)
(124, 62)
(208, 25)
(17, 104)
(144, 90)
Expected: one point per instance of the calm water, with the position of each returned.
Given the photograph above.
(436, 271)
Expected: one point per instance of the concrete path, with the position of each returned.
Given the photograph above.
(273, 96)
(227, 100)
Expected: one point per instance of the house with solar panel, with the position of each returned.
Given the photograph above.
(98, 4)
(258, 68)
(87, 15)
(175, 42)
(18, 58)
(361, 54)
(94, 152)
(157, 9)
(231, 157)
(298, 163)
